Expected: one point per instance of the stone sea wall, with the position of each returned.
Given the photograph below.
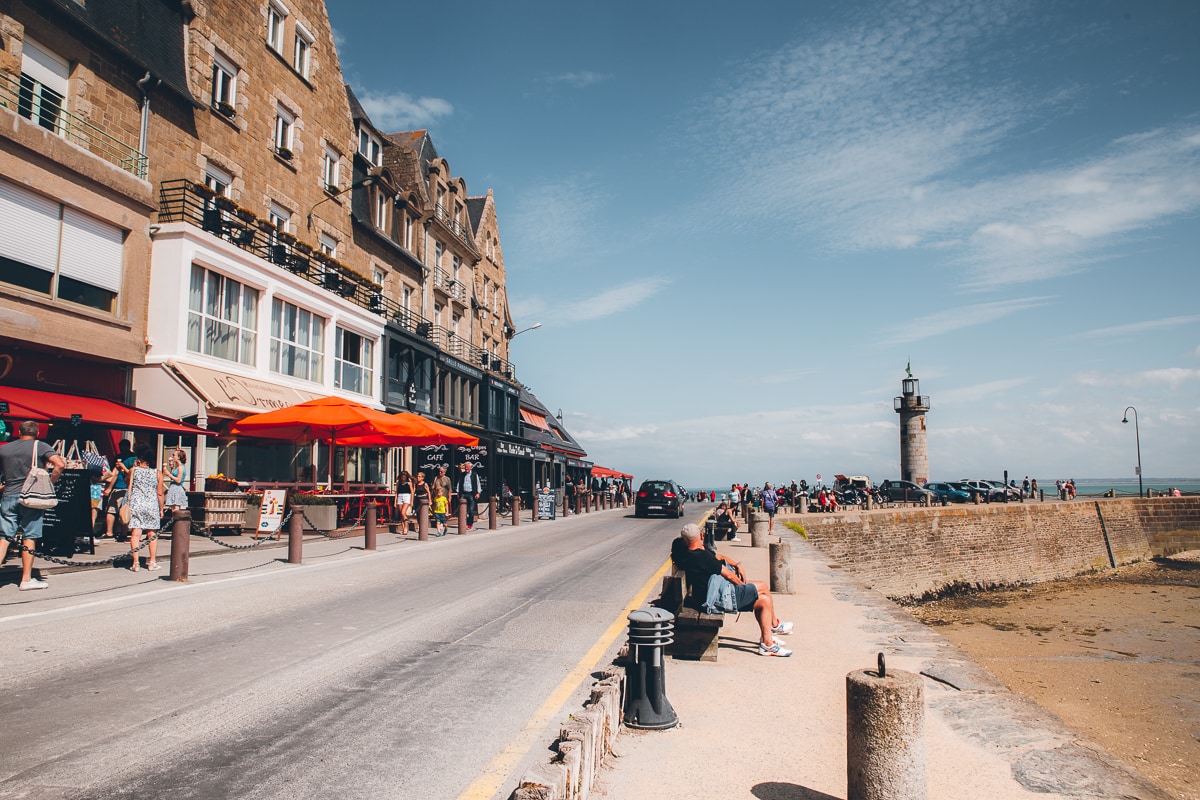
(910, 553)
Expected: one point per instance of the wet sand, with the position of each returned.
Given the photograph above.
(1116, 655)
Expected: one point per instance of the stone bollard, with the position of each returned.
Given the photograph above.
(296, 536)
(759, 537)
(369, 527)
(885, 735)
(422, 521)
(781, 568)
(493, 523)
(646, 703)
(181, 544)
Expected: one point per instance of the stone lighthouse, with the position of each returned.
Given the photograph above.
(911, 405)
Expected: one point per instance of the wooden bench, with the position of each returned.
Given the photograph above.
(696, 633)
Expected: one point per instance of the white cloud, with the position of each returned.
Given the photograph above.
(549, 223)
(606, 303)
(893, 133)
(400, 111)
(963, 316)
(577, 80)
(1138, 327)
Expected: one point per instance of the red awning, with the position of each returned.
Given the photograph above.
(52, 406)
(535, 420)
(605, 472)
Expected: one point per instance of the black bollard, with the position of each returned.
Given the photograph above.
(646, 703)
(181, 544)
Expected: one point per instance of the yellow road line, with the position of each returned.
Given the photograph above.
(502, 765)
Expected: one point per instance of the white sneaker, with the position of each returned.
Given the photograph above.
(736, 539)
(782, 629)
(776, 649)
(32, 583)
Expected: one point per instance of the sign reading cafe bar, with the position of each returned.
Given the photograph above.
(429, 459)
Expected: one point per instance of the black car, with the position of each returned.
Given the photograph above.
(659, 497)
(903, 492)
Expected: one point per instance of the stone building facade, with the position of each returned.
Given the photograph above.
(251, 239)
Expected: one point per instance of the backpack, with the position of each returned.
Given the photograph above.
(37, 491)
(768, 499)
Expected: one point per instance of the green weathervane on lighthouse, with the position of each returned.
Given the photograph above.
(908, 368)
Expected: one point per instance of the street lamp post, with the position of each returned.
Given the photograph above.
(532, 327)
(1137, 437)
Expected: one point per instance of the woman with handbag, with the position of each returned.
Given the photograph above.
(18, 460)
(114, 494)
(144, 501)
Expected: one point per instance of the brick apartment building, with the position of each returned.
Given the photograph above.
(200, 219)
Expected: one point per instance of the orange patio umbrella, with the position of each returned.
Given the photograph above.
(410, 430)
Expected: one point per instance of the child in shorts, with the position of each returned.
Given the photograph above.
(441, 505)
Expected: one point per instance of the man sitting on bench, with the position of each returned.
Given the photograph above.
(700, 564)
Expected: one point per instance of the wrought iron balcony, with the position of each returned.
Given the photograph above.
(43, 107)
(452, 224)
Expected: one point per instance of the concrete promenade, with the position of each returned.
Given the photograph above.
(775, 729)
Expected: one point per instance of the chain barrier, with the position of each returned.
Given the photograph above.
(336, 533)
(70, 562)
(270, 537)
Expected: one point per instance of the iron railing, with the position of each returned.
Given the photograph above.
(452, 224)
(181, 200)
(43, 107)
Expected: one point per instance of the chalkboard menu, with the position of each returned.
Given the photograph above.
(546, 507)
(71, 518)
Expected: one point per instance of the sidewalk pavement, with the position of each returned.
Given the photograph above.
(775, 728)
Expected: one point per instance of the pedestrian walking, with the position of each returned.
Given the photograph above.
(19, 523)
(145, 499)
(404, 498)
(469, 489)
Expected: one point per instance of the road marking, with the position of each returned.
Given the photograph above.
(502, 765)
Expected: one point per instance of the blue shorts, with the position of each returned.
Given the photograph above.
(13, 515)
(439, 518)
(746, 595)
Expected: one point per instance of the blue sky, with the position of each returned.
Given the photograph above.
(737, 223)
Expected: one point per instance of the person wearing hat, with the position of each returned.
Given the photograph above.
(468, 492)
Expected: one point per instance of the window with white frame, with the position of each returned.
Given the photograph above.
(224, 86)
(329, 245)
(381, 209)
(370, 147)
(354, 369)
(44, 84)
(456, 263)
(378, 275)
(331, 169)
(297, 342)
(406, 294)
(285, 129)
(281, 218)
(218, 180)
(222, 317)
(301, 51)
(439, 250)
(276, 18)
(409, 226)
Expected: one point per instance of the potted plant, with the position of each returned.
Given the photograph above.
(225, 109)
(284, 153)
(319, 512)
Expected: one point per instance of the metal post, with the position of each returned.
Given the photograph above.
(566, 506)
(369, 527)
(516, 510)
(181, 544)
(462, 515)
(422, 520)
(492, 523)
(646, 703)
(296, 536)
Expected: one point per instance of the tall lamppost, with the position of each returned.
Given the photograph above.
(1137, 437)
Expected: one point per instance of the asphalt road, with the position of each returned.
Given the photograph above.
(416, 671)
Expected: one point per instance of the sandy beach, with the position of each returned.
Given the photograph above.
(1116, 655)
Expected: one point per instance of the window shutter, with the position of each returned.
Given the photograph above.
(29, 227)
(93, 251)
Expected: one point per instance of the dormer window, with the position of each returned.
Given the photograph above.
(44, 80)
(381, 209)
(370, 147)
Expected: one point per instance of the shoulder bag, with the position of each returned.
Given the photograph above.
(37, 491)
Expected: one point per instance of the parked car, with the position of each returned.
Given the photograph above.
(985, 489)
(659, 497)
(903, 491)
(1013, 492)
(948, 493)
(970, 490)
